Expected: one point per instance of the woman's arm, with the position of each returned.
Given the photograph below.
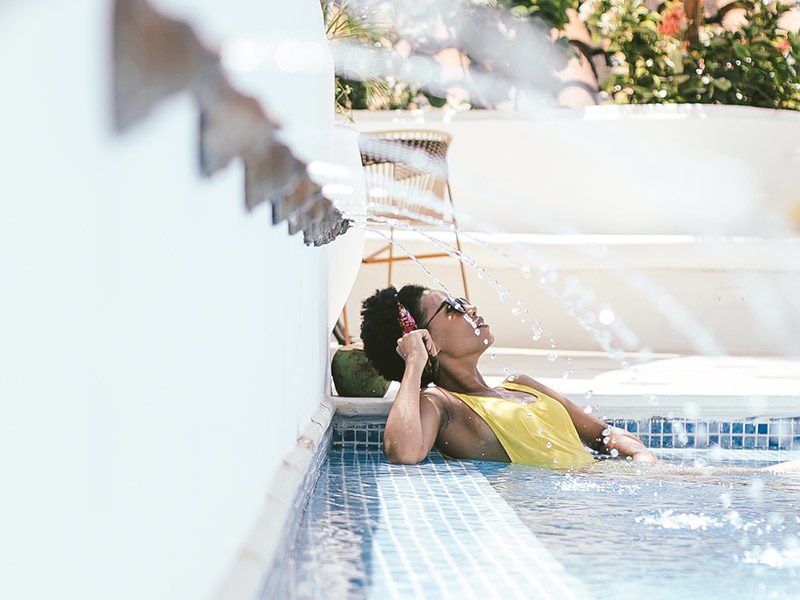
(415, 417)
(596, 434)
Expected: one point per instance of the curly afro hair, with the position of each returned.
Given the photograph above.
(381, 328)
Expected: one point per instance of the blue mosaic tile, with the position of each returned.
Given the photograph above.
(775, 434)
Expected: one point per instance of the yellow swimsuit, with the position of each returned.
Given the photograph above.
(540, 433)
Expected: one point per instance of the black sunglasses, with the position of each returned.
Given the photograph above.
(457, 304)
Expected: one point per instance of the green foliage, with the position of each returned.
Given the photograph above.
(392, 93)
(651, 62)
(550, 13)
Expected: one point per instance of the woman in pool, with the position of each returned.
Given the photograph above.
(419, 336)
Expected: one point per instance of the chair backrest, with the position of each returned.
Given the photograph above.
(400, 166)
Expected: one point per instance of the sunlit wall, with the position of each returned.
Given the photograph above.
(160, 348)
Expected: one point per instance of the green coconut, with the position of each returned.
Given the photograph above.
(354, 376)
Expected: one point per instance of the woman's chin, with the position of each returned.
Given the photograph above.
(488, 339)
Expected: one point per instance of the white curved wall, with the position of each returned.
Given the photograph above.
(160, 349)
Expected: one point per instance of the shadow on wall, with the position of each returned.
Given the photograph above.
(156, 57)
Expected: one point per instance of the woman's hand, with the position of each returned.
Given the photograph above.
(416, 346)
(644, 456)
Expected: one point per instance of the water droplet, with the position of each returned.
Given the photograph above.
(493, 355)
(516, 311)
(540, 431)
(529, 415)
(587, 409)
(555, 460)
(588, 394)
(549, 444)
(606, 316)
(485, 342)
(477, 331)
(614, 452)
(607, 431)
(506, 370)
(510, 378)
(536, 330)
(552, 357)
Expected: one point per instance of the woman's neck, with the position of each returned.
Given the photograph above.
(462, 376)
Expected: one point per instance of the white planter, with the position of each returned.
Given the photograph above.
(620, 169)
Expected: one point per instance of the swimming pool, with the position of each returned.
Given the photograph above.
(468, 529)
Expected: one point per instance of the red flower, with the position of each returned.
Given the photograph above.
(783, 45)
(672, 20)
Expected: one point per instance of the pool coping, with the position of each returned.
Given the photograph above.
(619, 406)
(659, 385)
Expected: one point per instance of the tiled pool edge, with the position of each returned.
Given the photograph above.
(258, 570)
(781, 433)
(438, 529)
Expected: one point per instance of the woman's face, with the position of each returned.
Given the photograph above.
(454, 333)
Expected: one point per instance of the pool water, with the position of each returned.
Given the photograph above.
(665, 532)
(472, 529)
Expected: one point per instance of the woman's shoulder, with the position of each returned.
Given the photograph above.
(435, 393)
(445, 402)
(441, 397)
(522, 379)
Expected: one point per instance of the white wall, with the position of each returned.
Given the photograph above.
(160, 348)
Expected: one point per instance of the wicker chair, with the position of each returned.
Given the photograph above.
(400, 166)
